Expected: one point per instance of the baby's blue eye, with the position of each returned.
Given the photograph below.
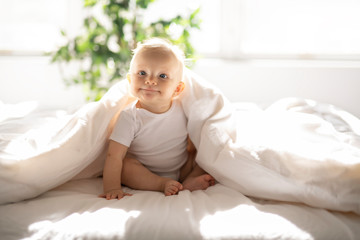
(142, 73)
(163, 75)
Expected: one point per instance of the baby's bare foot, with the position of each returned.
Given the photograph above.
(201, 182)
(172, 187)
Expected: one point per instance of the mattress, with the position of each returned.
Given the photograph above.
(73, 211)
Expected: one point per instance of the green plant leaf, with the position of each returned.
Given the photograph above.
(90, 3)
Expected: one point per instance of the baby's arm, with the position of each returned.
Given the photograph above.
(112, 171)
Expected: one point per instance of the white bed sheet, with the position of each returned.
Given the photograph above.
(73, 211)
(292, 151)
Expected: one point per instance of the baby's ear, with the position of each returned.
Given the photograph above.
(180, 87)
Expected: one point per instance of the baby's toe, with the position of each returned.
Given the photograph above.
(208, 177)
(172, 188)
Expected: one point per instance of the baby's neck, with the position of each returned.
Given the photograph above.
(154, 108)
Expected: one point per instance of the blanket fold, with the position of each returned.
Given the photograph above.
(295, 150)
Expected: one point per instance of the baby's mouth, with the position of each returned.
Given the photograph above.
(149, 89)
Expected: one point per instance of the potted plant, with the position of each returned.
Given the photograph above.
(104, 51)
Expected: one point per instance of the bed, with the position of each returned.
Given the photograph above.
(287, 170)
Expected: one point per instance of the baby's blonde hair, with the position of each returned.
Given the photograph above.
(160, 43)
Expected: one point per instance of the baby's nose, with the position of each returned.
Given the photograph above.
(151, 81)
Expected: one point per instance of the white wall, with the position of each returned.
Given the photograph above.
(338, 83)
(29, 78)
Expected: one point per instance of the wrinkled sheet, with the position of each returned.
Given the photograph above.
(295, 150)
(72, 211)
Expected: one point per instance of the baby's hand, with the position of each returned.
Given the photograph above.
(115, 193)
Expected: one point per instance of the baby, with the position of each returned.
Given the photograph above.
(149, 147)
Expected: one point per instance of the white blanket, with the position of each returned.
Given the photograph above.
(295, 150)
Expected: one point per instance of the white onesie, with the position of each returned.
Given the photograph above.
(158, 141)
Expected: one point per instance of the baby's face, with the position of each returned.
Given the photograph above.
(154, 78)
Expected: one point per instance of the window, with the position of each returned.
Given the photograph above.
(310, 29)
(234, 29)
(33, 27)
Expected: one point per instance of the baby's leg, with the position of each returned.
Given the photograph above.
(137, 176)
(191, 175)
(188, 166)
